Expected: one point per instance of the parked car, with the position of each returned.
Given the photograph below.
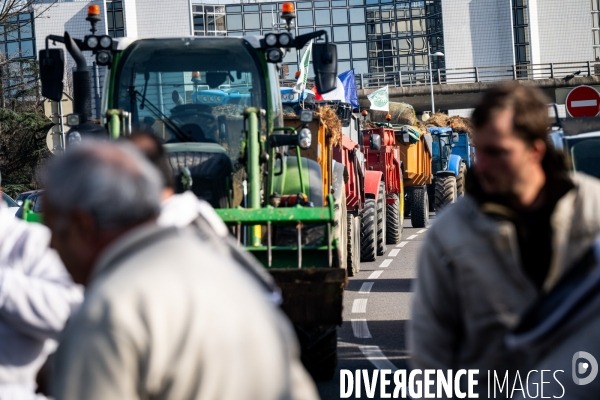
(10, 203)
(21, 197)
(34, 207)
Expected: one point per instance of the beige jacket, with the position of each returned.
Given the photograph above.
(471, 288)
(167, 318)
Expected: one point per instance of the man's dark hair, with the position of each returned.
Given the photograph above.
(153, 150)
(529, 105)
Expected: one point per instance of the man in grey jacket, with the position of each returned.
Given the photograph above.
(522, 225)
(37, 296)
(165, 316)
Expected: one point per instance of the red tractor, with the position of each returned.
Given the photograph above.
(382, 218)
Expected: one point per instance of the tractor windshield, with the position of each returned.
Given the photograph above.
(190, 90)
(441, 152)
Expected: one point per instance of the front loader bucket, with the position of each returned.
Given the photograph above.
(308, 272)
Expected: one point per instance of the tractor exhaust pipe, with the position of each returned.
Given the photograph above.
(82, 81)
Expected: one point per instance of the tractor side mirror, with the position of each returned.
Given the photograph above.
(375, 143)
(405, 137)
(52, 67)
(454, 137)
(325, 65)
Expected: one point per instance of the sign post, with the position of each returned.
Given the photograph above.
(583, 101)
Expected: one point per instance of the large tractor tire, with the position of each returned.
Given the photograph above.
(460, 180)
(318, 345)
(394, 221)
(419, 214)
(368, 231)
(381, 221)
(353, 244)
(340, 228)
(357, 241)
(445, 191)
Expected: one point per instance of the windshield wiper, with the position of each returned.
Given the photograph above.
(181, 135)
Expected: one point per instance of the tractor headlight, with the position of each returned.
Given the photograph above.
(103, 58)
(284, 39)
(274, 55)
(92, 42)
(271, 39)
(74, 138)
(106, 42)
(304, 138)
(204, 99)
(211, 99)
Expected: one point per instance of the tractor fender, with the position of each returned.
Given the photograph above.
(340, 177)
(372, 179)
(454, 164)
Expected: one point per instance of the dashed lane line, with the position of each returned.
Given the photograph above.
(360, 329)
(422, 230)
(366, 287)
(412, 237)
(359, 306)
(377, 358)
(375, 274)
(401, 244)
(394, 253)
(386, 263)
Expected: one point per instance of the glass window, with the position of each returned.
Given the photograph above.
(356, 2)
(326, 29)
(357, 32)
(321, 4)
(359, 50)
(343, 51)
(267, 20)
(594, 5)
(12, 49)
(340, 16)
(340, 34)
(372, 1)
(357, 15)
(199, 22)
(302, 31)
(26, 32)
(595, 18)
(25, 17)
(373, 30)
(234, 21)
(1, 33)
(338, 3)
(251, 21)
(290, 57)
(235, 33)
(232, 9)
(322, 17)
(12, 32)
(305, 18)
(419, 44)
(343, 66)
(596, 37)
(27, 48)
(304, 5)
(360, 66)
(418, 26)
(250, 8)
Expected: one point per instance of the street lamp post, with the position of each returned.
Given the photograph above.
(429, 55)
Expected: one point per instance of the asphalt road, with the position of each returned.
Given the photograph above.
(376, 311)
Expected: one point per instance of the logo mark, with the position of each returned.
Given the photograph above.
(582, 367)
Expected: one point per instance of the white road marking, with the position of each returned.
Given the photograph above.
(411, 237)
(401, 244)
(360, 329)
(386, 263)
(375, 274)
(366, 287)
(584, 103)
(359, 306)
(394, 253)
(422, 230)
(376, 356)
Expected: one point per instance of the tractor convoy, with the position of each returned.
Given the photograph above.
(308, 187)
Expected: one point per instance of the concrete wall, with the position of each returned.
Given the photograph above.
(564, 31)
(160, 18)
(477, 33)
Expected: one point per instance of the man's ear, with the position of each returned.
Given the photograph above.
(538, 149)
(84, 225)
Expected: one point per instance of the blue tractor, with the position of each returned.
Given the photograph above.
(452, 155)
(291, 100)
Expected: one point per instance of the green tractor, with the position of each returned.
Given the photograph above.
(215, 103)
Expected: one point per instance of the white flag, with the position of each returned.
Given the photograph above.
(304, 63)
(380, 99)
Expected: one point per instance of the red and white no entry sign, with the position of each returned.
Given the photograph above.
(583, 101)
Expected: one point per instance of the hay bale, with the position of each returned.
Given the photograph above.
(401, 113)
(439, 120)
(461, 124)
(333, 125)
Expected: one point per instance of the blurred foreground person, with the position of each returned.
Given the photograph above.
(164, 316)
(522, 225)
(186, 210)
(37, 296)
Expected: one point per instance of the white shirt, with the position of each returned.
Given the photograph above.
(37, 296)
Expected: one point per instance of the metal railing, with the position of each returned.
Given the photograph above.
(448, 76)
